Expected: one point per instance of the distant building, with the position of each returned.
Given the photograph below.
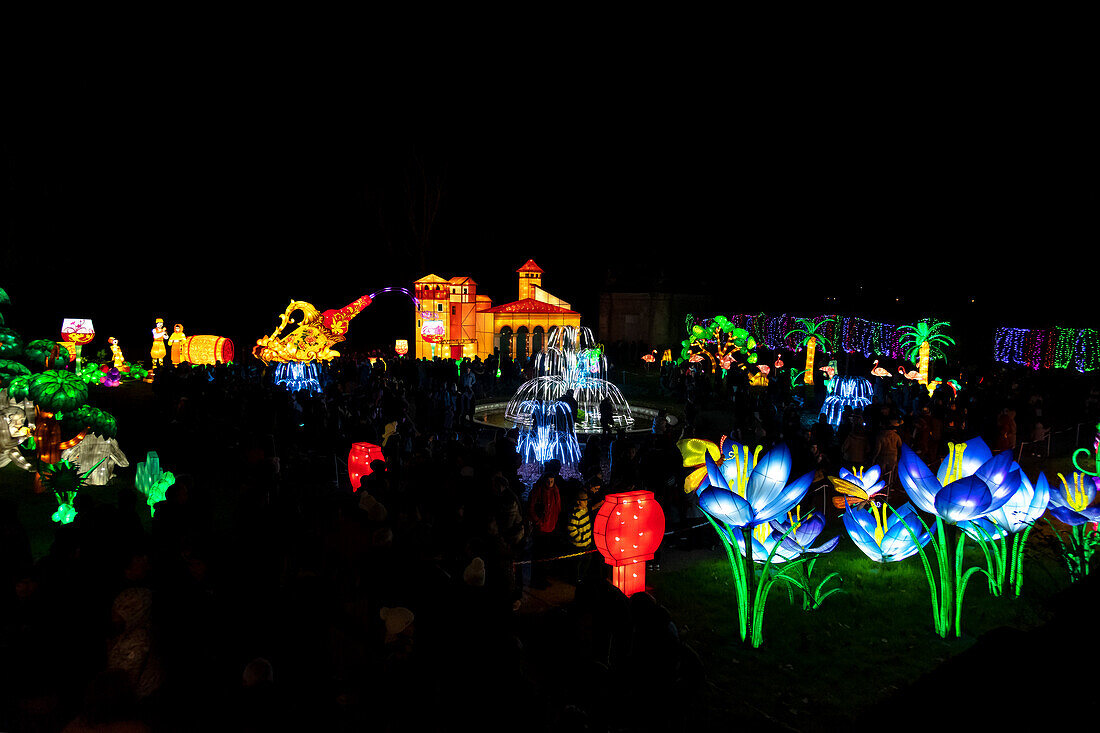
(652, 319)
(455, 322)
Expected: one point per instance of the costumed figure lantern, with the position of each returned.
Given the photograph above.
(628, 530)
(157, 352)
(175, 342)
(359, 460)
(116, 353)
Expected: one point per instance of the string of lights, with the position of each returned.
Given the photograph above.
(1048, 348)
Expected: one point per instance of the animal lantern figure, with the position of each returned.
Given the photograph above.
(316, 331)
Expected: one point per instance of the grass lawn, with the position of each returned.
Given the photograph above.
(824, 669)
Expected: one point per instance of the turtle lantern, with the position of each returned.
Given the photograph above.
(628, 530)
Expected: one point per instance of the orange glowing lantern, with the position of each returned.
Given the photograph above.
(628, 530)
(401, 346)
(359, 460)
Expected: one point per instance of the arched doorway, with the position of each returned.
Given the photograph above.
(536, 340)
(505, 347)
(521, 344)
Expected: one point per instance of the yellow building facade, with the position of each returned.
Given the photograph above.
(454, 321)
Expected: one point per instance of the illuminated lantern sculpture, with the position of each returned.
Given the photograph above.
(75, 333)
(359, 460)
(206, 350)
(175, 341)
(628, 530)
(923, 342)
(401, 346)
(809, 333)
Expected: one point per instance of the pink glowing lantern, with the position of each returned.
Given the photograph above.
(628, 530)
(359, 460)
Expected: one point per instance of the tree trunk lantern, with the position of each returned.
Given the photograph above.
(359, 460)
(628, 530)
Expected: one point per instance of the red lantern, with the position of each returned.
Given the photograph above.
(359, 460)
(628, 530)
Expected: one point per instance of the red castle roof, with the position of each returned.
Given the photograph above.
(529, 266)
(529, 305)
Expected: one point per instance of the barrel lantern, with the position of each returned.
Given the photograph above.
(206, 350)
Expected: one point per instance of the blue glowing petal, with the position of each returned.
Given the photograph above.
(828, 546)
(897, 542)
(714, 474)
(871, 477)
(918, 481)
(975, 454)
(847, 475)
(786, 499)
(966, 498)
(769, 478)
(1065, 515)
(1039, 499)
(1002, 477)
(808, 530)
(725, 506)
(975, 528)
(862, 534)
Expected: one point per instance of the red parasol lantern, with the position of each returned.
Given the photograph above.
(359, 460)
(628, 530)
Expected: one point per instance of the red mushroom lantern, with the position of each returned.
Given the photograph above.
(359, 460)
(628, 530)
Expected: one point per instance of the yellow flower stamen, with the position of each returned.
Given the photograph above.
(1078, 499)
(880, 521)
(955, 453)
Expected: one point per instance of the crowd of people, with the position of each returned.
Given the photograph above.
(267, 594)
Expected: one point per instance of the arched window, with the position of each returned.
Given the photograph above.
(505, 345)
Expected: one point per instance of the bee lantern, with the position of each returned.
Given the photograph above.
(628, 530)
(359, 460)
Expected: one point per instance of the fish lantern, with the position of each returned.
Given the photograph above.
(359, 460)
(401, 346)
(628, 530)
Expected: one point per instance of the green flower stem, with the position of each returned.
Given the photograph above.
(738, 571)
(933, 592)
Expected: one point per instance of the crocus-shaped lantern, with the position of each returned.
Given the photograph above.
(359, 460)
(628, 530)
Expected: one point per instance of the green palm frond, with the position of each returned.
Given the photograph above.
(808, 328)
(911, 337)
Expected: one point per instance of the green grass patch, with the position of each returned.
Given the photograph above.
(826, 667)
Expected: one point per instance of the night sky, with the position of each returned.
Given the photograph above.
(213, 194)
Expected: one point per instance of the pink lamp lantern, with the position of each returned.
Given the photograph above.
(628, 530)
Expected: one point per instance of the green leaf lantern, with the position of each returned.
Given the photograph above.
(39, 353)
(56, 391)
(11, 343)
(10, 370)
(151, 481)
(19, 387)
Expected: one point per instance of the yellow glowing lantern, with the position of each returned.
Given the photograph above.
(206, 350)
(175, 341)
(401, 346)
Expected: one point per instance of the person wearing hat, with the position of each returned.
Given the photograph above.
(160, 335)
(579, 530)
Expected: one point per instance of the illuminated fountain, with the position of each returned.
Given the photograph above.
(845, 392)
(551, 435)
(571, 360)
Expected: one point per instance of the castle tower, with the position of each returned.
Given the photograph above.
(530, 278)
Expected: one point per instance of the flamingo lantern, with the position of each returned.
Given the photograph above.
(911, 374)
(878, 371)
